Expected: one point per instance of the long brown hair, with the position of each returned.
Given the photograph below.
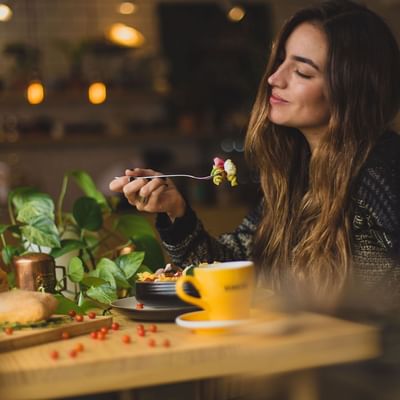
(305, 234)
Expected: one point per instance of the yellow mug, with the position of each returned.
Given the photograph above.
(225, 289)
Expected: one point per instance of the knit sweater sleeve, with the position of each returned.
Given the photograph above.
(187, 241)
(376, 222)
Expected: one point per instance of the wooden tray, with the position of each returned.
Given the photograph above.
(33, 336)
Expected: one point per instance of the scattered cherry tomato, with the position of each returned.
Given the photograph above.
(126, 339)
(153, 328)
(73, 353)
(92, 315)
(115, 326)
(79, 347)
(140, 326)
(55, 355)
(139, 306)
(166, 343)
(93, 335)
(141, 332)
(151, 343)
(104, 329)
(72, 313)
(101, 335)
(65, 335)
(79, 318)
(8, 330)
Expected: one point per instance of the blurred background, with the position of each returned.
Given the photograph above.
(104, 85)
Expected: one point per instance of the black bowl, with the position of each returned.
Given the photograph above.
(162, 294)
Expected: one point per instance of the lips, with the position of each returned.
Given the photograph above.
(275, 99)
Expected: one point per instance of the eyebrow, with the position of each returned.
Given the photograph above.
(306, 61)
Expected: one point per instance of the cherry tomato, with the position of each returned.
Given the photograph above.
(153, 328)
(115, 326)
(141, 332)
(126, 339)
(72, 313)
(166, 343)
(79, 347)
(140, 326)
(104, 330)
(8, 330)
(55, 355)
(92, 315)
(79, 318)
(93, 335)
(151, 343)
(73, 353)
(101, 335)
(65, 335)
(139, 306)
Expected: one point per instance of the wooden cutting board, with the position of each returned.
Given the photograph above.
(33, 336)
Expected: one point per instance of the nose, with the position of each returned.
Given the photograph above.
(278, 78)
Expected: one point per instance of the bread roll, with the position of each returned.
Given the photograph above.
(25, 306)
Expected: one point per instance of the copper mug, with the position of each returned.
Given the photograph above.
(35, 271)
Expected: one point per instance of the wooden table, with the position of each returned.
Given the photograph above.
(112, 365)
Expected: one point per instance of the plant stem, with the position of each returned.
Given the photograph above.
(61, 200)
(88, 251)
(3, 240)
(10, 211)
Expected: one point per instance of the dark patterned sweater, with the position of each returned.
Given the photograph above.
(375, 225)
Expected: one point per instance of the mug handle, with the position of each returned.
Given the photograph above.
(64, 279)
(186, 297)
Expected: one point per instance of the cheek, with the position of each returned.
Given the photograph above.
(315, 100)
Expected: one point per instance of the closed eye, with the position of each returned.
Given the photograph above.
(302, 75)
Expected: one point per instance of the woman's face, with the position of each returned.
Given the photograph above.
(299, 95)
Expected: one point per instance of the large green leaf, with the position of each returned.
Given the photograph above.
(92, 281)
(41, 231)
(86, 183)
(107, 267)
(133, 226)
(20, 196)
(104, 294)
(154, 256)
(87, 214)
(7, 253)
(67, 245)
(65, 305)
(130, 263)
(35, 208)
(75, 269)
(3, 228)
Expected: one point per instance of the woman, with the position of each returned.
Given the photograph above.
(329, 166)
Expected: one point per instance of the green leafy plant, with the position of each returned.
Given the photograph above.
(92, 234)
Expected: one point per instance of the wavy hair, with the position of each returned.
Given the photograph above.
(305, 234)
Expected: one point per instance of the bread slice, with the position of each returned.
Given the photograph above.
(25, 306)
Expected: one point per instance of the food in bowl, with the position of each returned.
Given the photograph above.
(170, 273)
(158, 289)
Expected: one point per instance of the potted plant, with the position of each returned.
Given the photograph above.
(106, 249)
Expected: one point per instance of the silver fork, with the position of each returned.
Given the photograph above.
(202, 178)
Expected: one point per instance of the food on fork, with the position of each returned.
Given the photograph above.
(24, 306)
(222, 170)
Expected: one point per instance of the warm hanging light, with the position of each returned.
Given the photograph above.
(35, 92)
(5, 12)
(97, 93)
(127, 8)
(236, 13)
(125, 35)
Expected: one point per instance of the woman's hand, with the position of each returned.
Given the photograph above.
(155, 195)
